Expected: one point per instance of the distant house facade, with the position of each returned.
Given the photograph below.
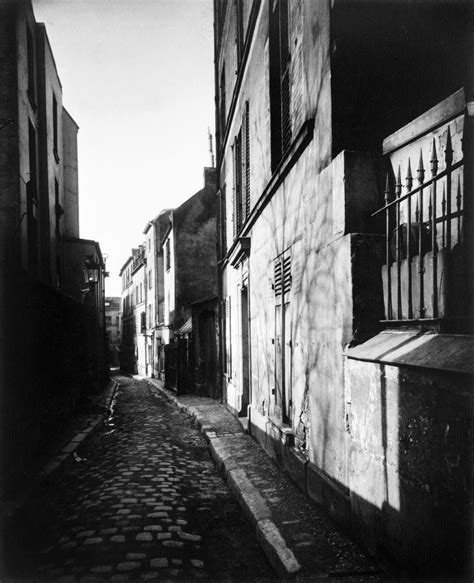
(112, 327)
(322, 316)
(127, 346)
(190, 277)
(156, 333)
(51, 318)
(161, 291)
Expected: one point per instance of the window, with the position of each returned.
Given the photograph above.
(226, 339)
(141, 292)
(55, 128)
(222, 105)
(239, 29)
(221, 6)
(241, 151)
(237, 210)
(32, 204)
(279, 81)
(57, 209)
(282, 277)
(221, 227)
(30, 49)
(150, 321)
(168, 255)
(149, 279)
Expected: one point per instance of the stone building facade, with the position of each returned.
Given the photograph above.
(190, 277)
(176, 271)
(306, 93)
(51, 321)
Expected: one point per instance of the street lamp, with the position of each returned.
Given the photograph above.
(90, 269)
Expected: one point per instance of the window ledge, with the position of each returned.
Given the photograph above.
(448, 352)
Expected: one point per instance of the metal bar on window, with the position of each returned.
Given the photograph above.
(434, 248)
(398, 247)
(420, 178)
(409, 186)
(387, 249)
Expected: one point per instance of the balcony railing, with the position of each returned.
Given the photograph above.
(423, 275)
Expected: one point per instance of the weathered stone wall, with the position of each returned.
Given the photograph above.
(195, 250)
(70, 195)
(51, 167)
(409, 435)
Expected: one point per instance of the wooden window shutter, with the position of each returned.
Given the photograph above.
(228, 338)
(223, 221)
(282, 274)
(285, 76)
(237, 210)
(245, 164)
(286, 269)
(219, 226)
(277, 277)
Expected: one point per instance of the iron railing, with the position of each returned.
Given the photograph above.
(424, 221)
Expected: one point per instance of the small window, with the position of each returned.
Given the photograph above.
(168, 255)
(55, 128)
(30, 49)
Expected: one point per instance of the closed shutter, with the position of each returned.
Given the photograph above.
(282, 279)
(246, 163)
(237, 184)
(285, 77)
(219, 227)
(224, 221)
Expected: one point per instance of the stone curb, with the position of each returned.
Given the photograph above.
(52, 465)
(253, 505)
(76, 441)
(256, 510)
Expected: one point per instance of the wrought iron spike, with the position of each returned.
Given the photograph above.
(409, 178)
(448, 152)
(387, 188)
(434, 159)
(420, 173)
(398, 183)
(459, 194)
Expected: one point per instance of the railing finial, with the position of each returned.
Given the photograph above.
(420, 173)
(398, 183)
(448, 152)
(434, 159)
(387, 188)
(409, 178)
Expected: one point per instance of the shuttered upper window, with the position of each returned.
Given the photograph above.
(279, 80)
(282, 279)
(241, 156)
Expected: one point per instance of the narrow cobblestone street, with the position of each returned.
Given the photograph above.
(141, 500)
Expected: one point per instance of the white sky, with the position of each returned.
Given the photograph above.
(138, 78)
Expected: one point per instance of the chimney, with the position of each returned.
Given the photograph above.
(210, 178)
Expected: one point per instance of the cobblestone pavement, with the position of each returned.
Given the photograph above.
(141, 500)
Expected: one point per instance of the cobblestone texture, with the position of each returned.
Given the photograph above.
(145, 503)
(323, 551)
